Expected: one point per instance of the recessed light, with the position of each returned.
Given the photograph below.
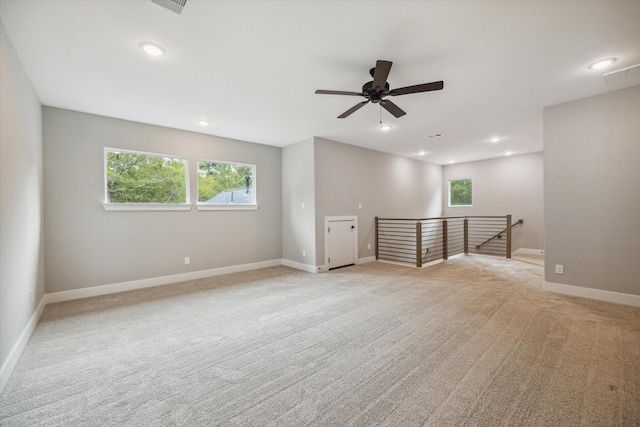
(422, 153)
(494, 139)
(385, 127)
(152, 49)
(602, 64)
(508, 153)
(451, 161)
(203, 123)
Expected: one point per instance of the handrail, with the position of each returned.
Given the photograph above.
(441, 217)
(499, 235)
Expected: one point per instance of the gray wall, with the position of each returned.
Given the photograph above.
(88, 246)
(21, 199)
(298, 187)
(510, 185)
(385, 185)
(591, 193)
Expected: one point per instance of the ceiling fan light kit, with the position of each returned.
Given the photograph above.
(376, 90)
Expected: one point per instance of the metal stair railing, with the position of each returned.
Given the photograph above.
(499, 234)
(419, 241)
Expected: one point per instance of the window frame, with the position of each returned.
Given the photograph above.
(145, 206)
(460, 206)
(228, 206)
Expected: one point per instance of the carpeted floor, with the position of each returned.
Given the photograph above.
(470, 342)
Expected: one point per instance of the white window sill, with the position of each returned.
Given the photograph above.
(146, 207)
(205, 207)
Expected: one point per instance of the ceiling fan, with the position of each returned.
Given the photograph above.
(376, 90)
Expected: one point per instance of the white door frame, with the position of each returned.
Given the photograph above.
(328, 219)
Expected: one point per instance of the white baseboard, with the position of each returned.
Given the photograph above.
(300, 266)
(597, 294)
(155, 281)
(528, 251)
(324, 269)
(9, 364)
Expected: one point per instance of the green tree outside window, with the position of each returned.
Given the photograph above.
(145, 178)
(219, 183)
(460, 192)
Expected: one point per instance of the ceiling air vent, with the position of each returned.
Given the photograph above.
(175, 6)
(623, 74)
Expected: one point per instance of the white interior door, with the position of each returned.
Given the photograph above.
(341, 238)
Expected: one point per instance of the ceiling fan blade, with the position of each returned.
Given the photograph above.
(353, 109)
(392, 108)
(382, 72)
(338, 92)
(426, 87)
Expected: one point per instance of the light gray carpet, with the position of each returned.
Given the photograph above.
(474, 341)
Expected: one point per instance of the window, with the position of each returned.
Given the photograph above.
(460, 192)
(223, 185)
(141, 181)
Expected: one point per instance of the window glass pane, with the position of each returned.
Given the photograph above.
(134, 177)
(460, 192)
(224, 183)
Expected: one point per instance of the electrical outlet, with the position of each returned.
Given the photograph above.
(359, 205)
(31, 295)
(559, 269)
(303, 206)
(304, 253)
(369, 246)
(187, 260)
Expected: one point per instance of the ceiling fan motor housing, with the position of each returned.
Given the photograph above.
(375, 94)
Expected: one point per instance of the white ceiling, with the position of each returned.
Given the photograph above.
(251, 67)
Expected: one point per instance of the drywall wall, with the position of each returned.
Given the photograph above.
(384, 185)
(510, 185)
(87, 246)
(21, 203)
(298, 203)
(591, 195)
